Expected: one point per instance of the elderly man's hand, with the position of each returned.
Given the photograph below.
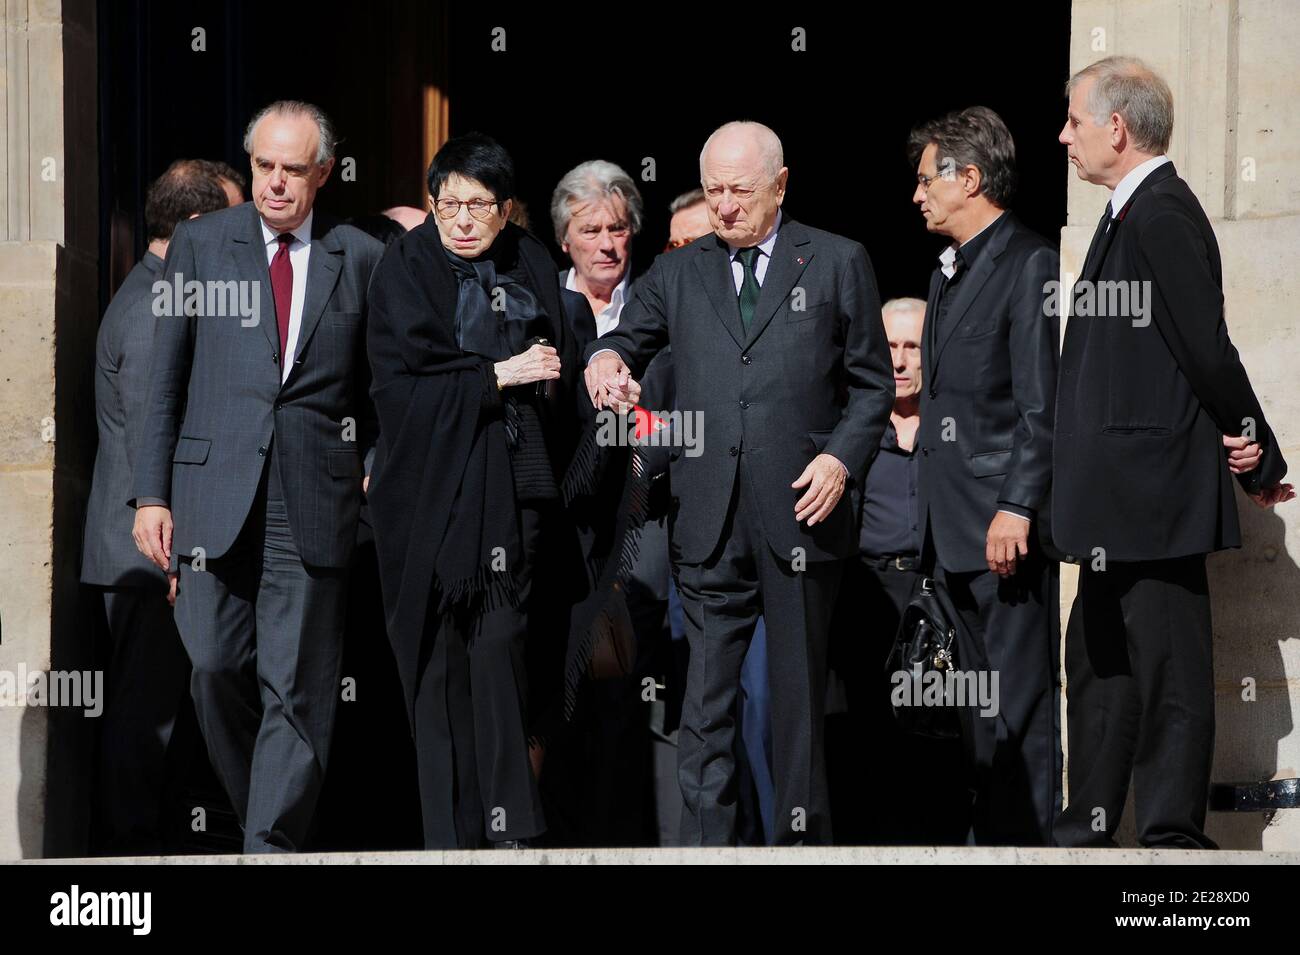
(1008, 537)
(604, 368)
(1243, 454)
(1277, 494)
(824, 477)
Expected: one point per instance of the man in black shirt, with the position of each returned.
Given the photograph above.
(886, 786)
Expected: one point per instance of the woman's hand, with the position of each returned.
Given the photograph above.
(539, 363)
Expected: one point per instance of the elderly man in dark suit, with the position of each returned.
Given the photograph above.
(986, 460)
(1151, 390)
(148, 671)
(778, 345)
(250, 474)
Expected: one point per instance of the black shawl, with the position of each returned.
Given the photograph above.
(441, 492)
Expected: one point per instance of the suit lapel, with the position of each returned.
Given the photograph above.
(929, 348)
(714, 265)
(969, 287)
(1096, 257)
(249, 251)
(323, 267)
(791, 254)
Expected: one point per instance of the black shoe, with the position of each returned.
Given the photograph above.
(511, 844)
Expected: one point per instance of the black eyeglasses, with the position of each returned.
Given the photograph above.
(449, 208)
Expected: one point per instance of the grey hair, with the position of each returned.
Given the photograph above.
(590, 181)
(1127, 86)
(903, 305)
(325, 145)
(768, 142)
(685, 201)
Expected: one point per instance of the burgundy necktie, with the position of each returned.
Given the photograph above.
(282, 289)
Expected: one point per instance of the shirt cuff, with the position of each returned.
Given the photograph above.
(150, 502)
(602, 352)
(1015, 510)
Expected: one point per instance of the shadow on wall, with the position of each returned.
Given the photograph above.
(31, 783)
(1256, 606)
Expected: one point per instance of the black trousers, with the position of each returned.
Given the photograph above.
(1014, 755)
(722, 599)
(471, 747)
(1140, 672)
(887, 787)
(264, 633)
(148, 683)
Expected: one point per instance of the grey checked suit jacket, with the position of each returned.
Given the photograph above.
(217, 402)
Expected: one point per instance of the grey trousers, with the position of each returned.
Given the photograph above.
(264, 633)
(722, 599)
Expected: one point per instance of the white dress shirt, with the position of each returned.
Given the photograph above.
(1128, 185)
(607, 320)
(299, 253)
(737, 270)
(760, 263)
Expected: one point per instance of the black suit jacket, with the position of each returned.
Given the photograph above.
(1140, 468)
(803, 380)
(217, 399)
(988, 392)
(122, 354)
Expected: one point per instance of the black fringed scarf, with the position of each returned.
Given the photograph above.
(442, 494)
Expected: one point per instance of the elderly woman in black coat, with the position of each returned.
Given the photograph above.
(476, 364)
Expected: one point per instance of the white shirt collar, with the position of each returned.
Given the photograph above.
(302, 233)
(949, 255)
(766, 245)
(1128, 185)
(616, 297)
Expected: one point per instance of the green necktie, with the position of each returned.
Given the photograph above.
(749, 287)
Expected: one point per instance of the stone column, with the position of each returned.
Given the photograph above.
(48, 318)
(1230, 64)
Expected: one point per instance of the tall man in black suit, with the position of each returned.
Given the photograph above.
(777, 341)
(149, 671)
(1151, 390)
(986, 459)
(257, 429)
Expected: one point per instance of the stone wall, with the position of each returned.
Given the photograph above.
(48, 317)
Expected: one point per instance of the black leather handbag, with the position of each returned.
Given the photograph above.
(926, 650)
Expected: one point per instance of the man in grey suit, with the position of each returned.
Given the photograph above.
(250, 475)
(778, 344)
(148, 669)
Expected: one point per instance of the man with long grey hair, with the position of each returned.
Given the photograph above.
(1151, 390)
(596, 210)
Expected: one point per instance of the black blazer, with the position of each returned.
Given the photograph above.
(1140, 468)
(802, 381)
(988, 392)
(217, 400)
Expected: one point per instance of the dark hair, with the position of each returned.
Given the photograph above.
(379, 226)
(977, 137)
(474, 156)
(220, 170)
(180, 192)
